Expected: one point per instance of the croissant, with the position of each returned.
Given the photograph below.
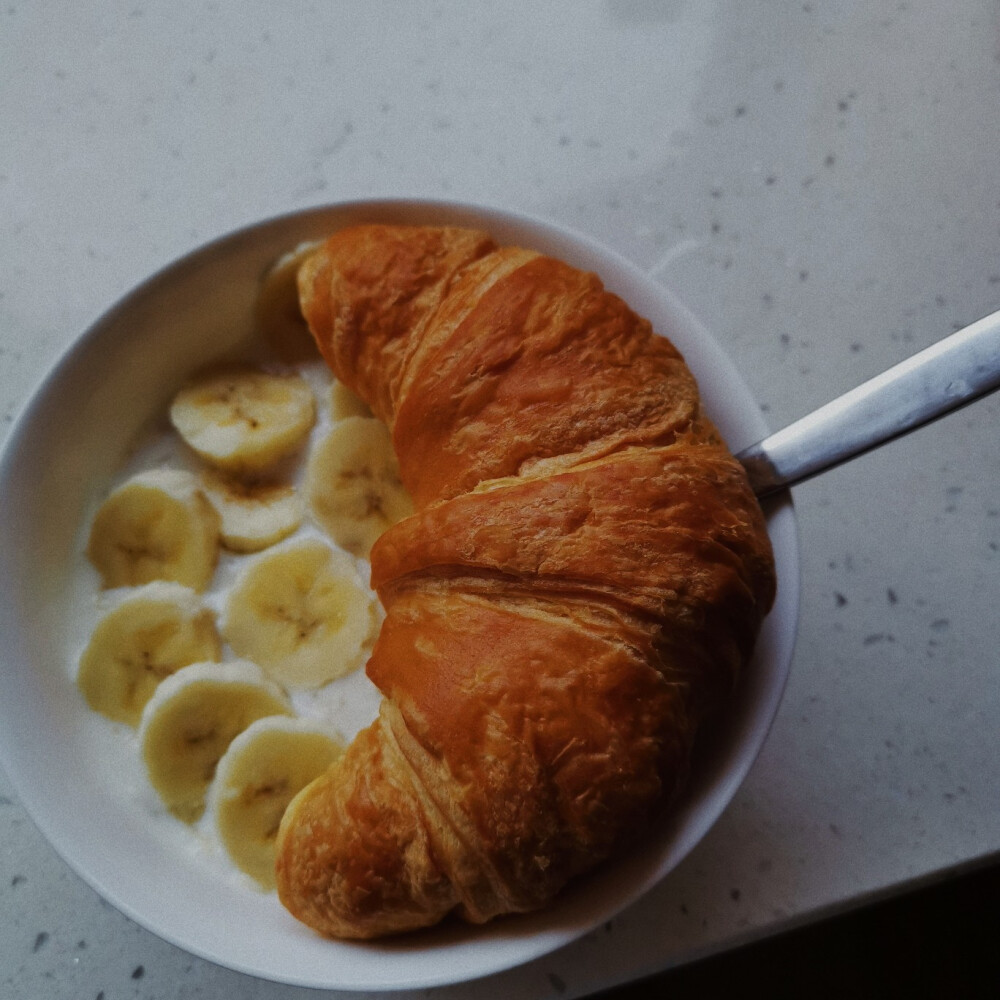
(581, 584)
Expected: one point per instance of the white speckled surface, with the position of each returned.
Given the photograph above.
(817, 181)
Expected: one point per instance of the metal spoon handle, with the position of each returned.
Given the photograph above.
(949, 374)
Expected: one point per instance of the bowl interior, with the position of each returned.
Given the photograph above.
(68, 443)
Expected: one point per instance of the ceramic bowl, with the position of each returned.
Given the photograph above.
(65, 761)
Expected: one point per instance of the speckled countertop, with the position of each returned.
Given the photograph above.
(817, 181)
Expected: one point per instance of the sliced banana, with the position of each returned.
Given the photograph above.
(345, 403)
(263, 769)
(190, 721)
(244, 420)
(352, 484)
(146, 637)
(278, 316)
(300, 611)
(156, 526)
(254, 513)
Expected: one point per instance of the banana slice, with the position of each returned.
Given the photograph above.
(352, 484)
(244, 420)
(146, 637)
(302, 613)
(190, 721)
(345, 403)
(263, 769)
(254, 513)
(276, 311)
(156, 526)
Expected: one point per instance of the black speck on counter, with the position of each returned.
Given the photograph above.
(890, 596)
(839, 599)
(874, 638)
(138, 972)
(40, 939)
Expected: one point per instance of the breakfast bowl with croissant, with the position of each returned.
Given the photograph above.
(385, 607)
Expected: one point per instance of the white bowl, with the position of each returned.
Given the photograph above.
(67, 444)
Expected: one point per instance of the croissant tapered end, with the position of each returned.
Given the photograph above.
(581, 585)
(354, 858)
(366, 289)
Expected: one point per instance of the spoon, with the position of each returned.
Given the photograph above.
(951, 373)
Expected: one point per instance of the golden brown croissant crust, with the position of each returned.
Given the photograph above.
(582, 581)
